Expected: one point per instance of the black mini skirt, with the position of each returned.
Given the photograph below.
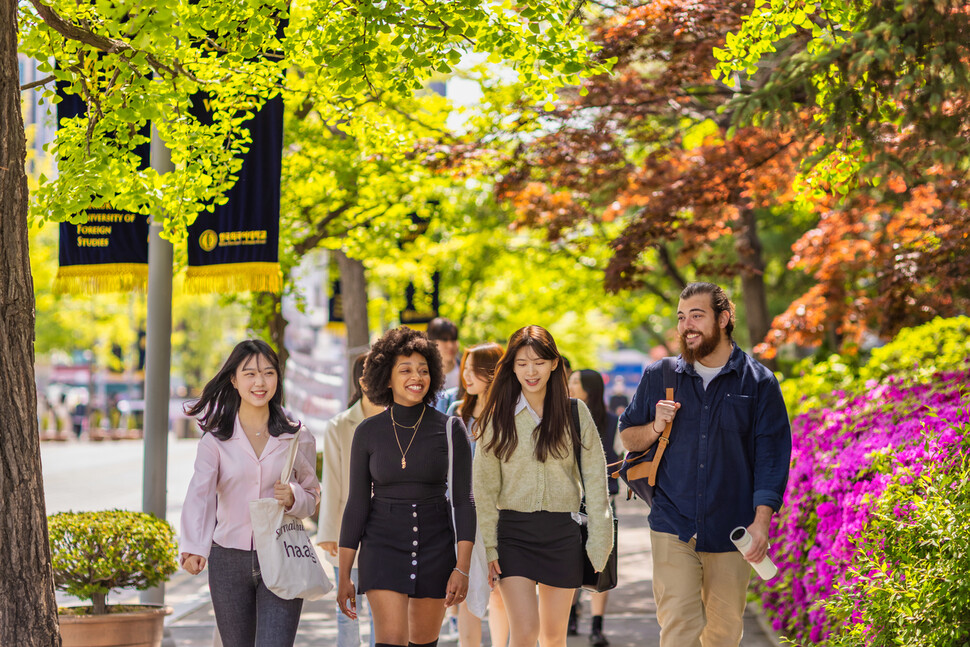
(408, 548)
(542, 546)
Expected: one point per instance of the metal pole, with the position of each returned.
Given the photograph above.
(158, 362)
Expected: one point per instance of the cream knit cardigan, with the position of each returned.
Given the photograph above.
(524, 484)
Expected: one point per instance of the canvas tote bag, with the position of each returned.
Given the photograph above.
(478, 588)
(288, 562)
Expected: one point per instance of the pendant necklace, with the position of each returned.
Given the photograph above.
(414, 432)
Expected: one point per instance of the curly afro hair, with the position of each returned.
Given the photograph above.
(385, 351)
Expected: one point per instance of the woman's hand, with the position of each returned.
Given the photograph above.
(284, 495)
(494, 572)
(192, 563)
(347, 596)
(329, 546)
(457, 588)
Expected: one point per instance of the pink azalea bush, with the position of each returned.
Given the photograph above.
(843, 458)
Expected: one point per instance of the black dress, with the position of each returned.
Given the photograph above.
(400, 518)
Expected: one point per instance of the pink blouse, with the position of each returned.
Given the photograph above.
(228, 475)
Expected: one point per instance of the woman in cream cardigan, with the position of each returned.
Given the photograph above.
(337, 438)
(528, 487)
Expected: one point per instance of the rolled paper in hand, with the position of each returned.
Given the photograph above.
(742, 540)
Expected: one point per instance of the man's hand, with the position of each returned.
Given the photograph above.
(666, 410)
(641, 437)
(759, 534)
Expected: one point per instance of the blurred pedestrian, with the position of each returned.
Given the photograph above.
(588, 386)
(397, 513)
(477, 372)
(240, 457)
(725, 466)
(528, 486)
(444, 333)
(338, 435)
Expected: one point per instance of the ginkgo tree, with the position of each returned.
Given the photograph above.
(135, 63)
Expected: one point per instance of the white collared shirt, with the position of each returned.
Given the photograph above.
(524, 404)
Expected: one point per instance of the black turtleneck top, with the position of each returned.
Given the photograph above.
(375, 469)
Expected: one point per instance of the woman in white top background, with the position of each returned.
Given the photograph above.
(239, 460)
(338, 435)
(477, 372)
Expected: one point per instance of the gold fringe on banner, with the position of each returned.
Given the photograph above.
(234, 277)
(101, 278)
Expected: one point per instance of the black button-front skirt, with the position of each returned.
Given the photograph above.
(408, 548)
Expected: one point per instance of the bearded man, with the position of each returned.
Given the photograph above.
(726, 465)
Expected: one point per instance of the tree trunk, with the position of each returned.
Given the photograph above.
(749, 249)
(353, 294)
(271, 305)
(28, 610)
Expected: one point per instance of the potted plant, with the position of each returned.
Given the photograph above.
(95, 552)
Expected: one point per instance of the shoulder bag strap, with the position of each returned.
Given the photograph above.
(670, 376)
(290, 457)
(451, 468)
(577, 448)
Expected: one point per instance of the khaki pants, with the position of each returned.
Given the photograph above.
(700, 596)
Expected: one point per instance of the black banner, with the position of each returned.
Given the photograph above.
(236, 247)
(415, 318)
(109, 251)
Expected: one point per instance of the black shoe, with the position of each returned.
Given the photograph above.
(572, 629)
(597, 639)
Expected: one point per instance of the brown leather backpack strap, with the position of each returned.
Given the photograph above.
(662, 443)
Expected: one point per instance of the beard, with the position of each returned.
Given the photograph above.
(707, 346)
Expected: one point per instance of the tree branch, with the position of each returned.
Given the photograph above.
(37, 84)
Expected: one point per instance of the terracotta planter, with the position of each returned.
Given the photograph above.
(142, 628)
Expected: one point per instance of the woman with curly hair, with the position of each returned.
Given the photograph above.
(397, 513)
(529, 484)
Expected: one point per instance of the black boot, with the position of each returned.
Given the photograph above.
(596, 637)
(573, 628)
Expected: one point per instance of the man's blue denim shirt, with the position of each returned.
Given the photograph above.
(729, 450)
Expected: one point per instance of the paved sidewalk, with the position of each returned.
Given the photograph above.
(630, 621)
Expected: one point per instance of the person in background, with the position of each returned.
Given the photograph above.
(338, 435)
(397, 513)
(477, 372)
(444, 333)
(529, 484)
(726, 465)
(588, 386)
(240, 457)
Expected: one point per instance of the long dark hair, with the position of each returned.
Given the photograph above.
(554, 436)
(216, 409)
(484, 359)
(593, 384)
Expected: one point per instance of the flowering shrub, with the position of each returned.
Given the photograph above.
(843, 459)
(909, 583)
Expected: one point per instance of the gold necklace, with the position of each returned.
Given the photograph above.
(414, 433)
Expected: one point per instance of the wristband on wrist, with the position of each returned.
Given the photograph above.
(461, 571)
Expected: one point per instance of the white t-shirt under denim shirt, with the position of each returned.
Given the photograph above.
(707, 374)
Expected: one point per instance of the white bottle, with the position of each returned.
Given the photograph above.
(742, 540)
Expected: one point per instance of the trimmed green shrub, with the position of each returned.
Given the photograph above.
(94, 552)
(915, 355)
(918, 353)
(908, 583)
